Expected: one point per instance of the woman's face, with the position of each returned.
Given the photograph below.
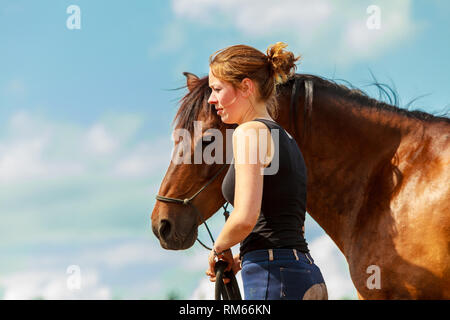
(226, 99)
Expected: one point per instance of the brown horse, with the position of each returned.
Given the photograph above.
(378, 184)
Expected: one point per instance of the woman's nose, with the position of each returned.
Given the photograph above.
(212, 99)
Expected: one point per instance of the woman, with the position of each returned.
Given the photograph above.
(269, 208)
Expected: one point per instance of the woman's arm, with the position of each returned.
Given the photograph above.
(247, 148)
(248, 191)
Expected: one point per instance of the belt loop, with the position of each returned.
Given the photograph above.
(270, 254)
(295, 254)
(306, 255)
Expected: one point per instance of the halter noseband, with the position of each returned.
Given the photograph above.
(188, 202)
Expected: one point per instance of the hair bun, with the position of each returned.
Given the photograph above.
(282, 62)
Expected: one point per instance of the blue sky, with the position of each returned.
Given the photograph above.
(85, 123)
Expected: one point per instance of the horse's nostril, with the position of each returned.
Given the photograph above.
(164, 228)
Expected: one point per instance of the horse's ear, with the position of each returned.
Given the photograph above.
(191, 80)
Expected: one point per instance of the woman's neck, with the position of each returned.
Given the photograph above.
(258, 111)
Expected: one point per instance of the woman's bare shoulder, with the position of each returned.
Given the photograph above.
(260, 142)
(249, 127)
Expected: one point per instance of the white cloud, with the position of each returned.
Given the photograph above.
(51, 285)
(145, 158)
(257, 17)
(334, 268)
(22, 152)
(35, 148)
(110, 268)
(21, 159)
(396, 25)
(100, 141)
(194, 9)
(124, 254)
(322, 28)
(53, 187)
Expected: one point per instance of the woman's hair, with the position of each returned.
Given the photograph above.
(235, 63)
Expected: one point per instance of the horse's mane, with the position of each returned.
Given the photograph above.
(196, 100)
(352, 93)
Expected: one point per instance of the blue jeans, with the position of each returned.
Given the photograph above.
(275, 274)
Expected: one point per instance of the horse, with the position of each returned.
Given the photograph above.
(377, 183)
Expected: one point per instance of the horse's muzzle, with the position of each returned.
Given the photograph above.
(170, 238)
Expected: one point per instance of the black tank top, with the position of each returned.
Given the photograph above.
(283, 206)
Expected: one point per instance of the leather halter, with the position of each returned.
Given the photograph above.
(188, 202)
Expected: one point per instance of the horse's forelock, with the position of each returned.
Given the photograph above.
(192, 105)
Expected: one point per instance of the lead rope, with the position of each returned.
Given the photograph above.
(229, 291)
(226, 215)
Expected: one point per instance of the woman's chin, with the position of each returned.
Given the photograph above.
(226, 119)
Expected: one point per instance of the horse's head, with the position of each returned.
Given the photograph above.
(200, 151)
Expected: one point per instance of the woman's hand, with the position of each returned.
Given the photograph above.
(236, 267)
(212, 259)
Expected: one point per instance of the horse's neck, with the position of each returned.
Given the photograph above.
(345, 150)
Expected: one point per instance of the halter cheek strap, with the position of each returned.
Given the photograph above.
(188, 202)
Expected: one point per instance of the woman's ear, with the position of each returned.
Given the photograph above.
(247, 87)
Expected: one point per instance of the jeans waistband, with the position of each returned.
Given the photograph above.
(277, 254)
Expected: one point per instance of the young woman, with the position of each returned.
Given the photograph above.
(269, 208)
